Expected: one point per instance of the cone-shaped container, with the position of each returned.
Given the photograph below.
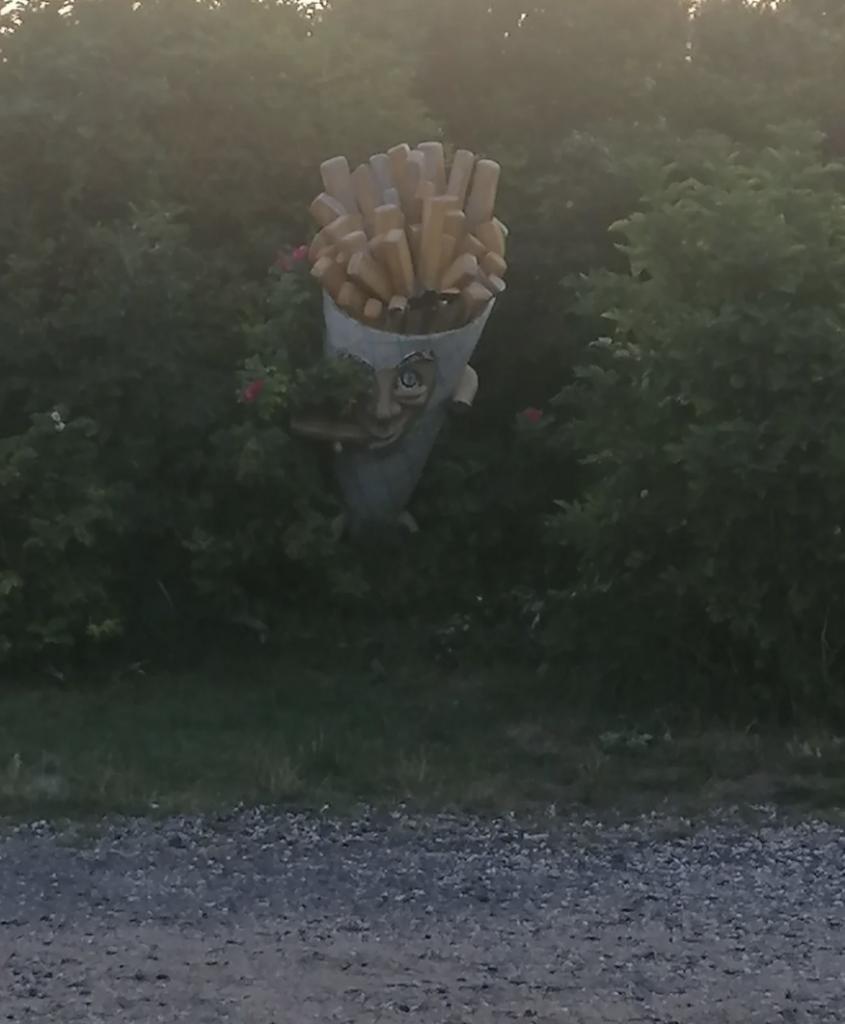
(415, 382)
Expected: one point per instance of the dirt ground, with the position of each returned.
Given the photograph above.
(257, 976)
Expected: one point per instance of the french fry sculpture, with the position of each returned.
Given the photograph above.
(411, 260)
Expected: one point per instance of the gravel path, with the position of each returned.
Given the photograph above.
(281, 919)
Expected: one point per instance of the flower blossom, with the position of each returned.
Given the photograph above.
(252, 391)
(287, 260)
(532, 415)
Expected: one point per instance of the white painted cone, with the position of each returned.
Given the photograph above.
(376, 484)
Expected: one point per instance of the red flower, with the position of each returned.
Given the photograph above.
(287, 260)
(532, 415)
(253, 391)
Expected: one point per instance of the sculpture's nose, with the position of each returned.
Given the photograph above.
(386, 407)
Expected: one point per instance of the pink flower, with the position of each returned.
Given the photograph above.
(253, 391)
(532, 415)
(287, 260)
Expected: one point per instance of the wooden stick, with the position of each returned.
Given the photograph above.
(337, 181)
(321, 245)
(373, 309)
(366, 273)
(351, 298)
(448, 244)
(388, 218)
(355, 241)
(380, 167)
(396, 311)
(462, 167)
(366, 193)
(474, 246)
(416, 176)
(415, 241)
(494, 264)
(474, 299)
(455, 224)
(434, 217)
(344, 226)
(494, 284)
(491, 235)
(400, 262)
(435, 165)
(398, 158)
(330, 275)
(461, 273)
(326, 209)
(482, 198)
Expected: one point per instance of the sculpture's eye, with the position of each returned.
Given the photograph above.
(409, 380)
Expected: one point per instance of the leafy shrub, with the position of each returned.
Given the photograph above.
(57, 526)
(713, 423)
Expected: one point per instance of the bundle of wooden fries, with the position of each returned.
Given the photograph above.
(406, 245)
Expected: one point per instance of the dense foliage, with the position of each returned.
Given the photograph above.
(676, 310)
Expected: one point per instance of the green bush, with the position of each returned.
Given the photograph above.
(157, 156)
(57, 528)
(713, 425)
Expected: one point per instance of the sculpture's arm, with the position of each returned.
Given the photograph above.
(466, 390)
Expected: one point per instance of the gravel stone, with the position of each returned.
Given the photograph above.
(268, 918)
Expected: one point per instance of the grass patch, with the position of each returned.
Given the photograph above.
(294, 735)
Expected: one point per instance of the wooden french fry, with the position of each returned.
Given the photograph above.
(416, 176)
(448, 245)
(351, 298)
(401, 174)
(373, 309)
(321, 245)
(400, 262)
(474, 299)
(331, 275)
(474, 246)
(493, 264)
(425, 190)
(367, 274)
(355, 241)
(461, 273)
(434, 218)
(388, 218)
(326, 209)
(459, 177)
(337, 181)
(455, 224)
(494, 284)
(396, 312)
(435, 165)
(366, 193)
(482, 197)
(380, 167)
(491, 235)
(415, 241)
(391, 197)
(344, 226)
(377, 250)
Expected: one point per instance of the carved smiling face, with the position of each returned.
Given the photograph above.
(396, 399)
